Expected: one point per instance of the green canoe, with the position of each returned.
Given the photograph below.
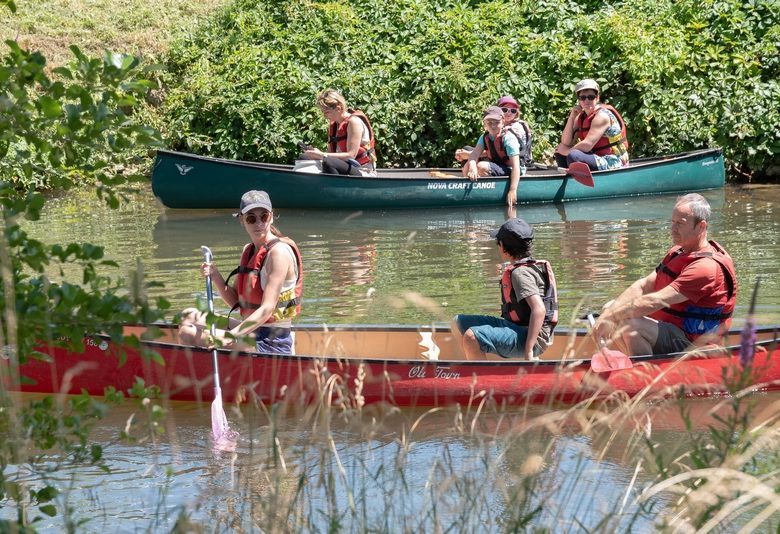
(186, 181)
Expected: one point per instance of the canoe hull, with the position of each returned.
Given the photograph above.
(415, 381)
(188, 181)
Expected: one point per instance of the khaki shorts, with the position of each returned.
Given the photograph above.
(670, 339)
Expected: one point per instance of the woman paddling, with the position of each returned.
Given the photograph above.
(350, 138)
(267, 290)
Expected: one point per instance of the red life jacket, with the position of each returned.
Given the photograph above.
(250, 293)
(709, 313)
(519, 312)
(337, 138)
(605, 144)
(495, 149)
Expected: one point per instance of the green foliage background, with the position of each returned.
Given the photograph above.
(685, 74)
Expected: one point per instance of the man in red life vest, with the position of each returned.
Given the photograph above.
(688, 299)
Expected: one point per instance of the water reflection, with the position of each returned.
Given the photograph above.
(391, 464)
(362, 266)
(358, 264)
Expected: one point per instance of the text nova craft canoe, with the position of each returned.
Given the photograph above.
(188, 181)
(400, 365)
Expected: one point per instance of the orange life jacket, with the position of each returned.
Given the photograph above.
(250, 292)
(519, 312)
(605, 145)
(337, 138)
(709, 313)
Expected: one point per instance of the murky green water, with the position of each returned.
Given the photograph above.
(368, 267)
(390, 267)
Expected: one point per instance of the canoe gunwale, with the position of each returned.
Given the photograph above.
(186, 373)
(702, 353)
(187, 181)
(550, 173)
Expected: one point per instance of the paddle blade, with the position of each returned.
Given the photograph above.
(581, 172)
(606, 360)
(224, 438)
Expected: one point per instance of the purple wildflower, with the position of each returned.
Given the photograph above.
(747, 347)
(748, 343)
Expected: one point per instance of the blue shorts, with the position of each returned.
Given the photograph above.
(274, 340)
(496, 335)
(498, 170)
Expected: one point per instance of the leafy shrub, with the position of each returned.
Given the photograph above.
(61, 132)
(685, 74)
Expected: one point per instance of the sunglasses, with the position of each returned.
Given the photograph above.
(509, 110)
(252, 218)
(491, 122)
(587, 97)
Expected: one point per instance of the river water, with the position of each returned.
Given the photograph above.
(420, 266)
(366, 266)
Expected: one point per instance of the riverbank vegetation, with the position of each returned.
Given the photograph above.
(60, 128)
(73, 125)
(685, 75)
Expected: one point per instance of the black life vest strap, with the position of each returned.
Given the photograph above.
(243, 269)
(662, 267)
(615, 143)
(697, 315)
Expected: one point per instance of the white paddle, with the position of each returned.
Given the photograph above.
(223, 436)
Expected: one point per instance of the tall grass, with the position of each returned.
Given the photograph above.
(641, 465)
(590, 467)
(131, 27)
(644, 464)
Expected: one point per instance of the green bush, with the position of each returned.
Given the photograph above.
(685, 74)
(68, 130)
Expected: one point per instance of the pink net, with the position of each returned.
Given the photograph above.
(223, 437)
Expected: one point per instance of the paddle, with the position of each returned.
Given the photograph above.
(604, 359)
(580, 171)
(221, 433)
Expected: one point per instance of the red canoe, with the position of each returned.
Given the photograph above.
(359, 364)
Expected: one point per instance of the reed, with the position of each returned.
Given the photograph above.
(342, 466)
(332, 463)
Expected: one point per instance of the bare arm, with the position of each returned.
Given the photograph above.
(598, 126)
(567, 135)
(227, 293)
(470, 169)
(514, 181)
(354, 135)
(534, 324)
(637, 301)
(278, 265)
